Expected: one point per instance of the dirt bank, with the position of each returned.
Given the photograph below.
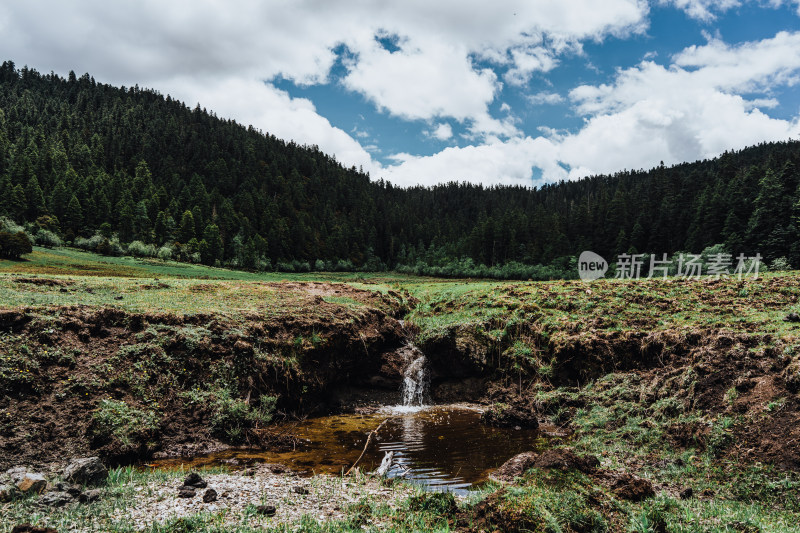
(87, 380)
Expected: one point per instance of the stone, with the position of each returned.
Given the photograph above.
(7, 493)
(209, 496)
(266, 510)
(194, 480)
(56, 498)
(16, 474)
(33, 482)
(29, 528)
(90, 496)
(72, 490)
(86, 471)
(187, 492)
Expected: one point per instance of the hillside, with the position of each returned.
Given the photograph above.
(78, 157)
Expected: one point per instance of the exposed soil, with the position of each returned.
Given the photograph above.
(60, 363)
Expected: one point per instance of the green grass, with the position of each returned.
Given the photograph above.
(618, 416)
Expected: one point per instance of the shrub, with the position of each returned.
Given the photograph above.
(164, 253)
(231, 417)
(780, 264)
(8, 225)
(140, 249)
(48, 239)
(126, 427)
(14, 245)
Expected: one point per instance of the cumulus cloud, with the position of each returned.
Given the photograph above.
(432, 76)
(688, 110)
(702, 9)
(447, 64)
(545, 98)
(510, 162)
(442, 132)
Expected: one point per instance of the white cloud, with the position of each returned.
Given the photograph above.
(708, 99)
(541, 98)
(707, 10)
(510, 162)
(432, 77)
(262, 105)
(528, 61)
(702, 9)
(688, 110)
(442, 132)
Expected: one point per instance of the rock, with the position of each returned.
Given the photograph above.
(502, 415)
(266, 510)
(633, 488)
(186, 492)
(28, 528)
(276, 468)
(565, 459)
(86, 471)
(16, 474)
(90, 496)
(209, 496)
(72, 490)
(7, 493)
(792, 317)
(299, 489)
(382, 470)
(194, 480)
(56, 498)
(686, 493)
(32, 482)
(514, 467)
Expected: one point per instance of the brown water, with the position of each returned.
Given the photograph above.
(442, 447)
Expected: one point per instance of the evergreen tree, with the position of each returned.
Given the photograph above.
(187, 229)
(73, 216)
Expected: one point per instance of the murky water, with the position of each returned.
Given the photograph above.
(441, 447)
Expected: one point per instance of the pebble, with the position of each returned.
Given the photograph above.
(326, 496)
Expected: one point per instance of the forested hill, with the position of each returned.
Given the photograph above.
(104, 166)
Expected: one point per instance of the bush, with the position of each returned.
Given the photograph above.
(126, 427)
(140, 249)
(14, 245)
(780, 264)
(231, 417)
(48, 239)
(164, 253)
(8, 225)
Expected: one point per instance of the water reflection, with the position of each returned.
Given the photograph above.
(442, 448)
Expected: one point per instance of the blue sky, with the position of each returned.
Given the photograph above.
(513, 92)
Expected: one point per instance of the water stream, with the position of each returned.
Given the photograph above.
(444, 447)
(416, 379)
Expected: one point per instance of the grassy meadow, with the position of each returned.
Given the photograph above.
(687, 384)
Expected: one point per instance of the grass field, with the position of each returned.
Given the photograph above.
(685, 383)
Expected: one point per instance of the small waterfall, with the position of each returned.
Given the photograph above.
(416, 378)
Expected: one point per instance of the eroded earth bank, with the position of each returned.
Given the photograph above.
(672, 405)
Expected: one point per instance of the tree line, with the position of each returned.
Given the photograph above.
(128, 170)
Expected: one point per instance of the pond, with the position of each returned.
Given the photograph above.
(443, 448)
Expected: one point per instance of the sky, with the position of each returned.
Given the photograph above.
(424, 92)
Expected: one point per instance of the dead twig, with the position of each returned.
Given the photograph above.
(369, 439)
